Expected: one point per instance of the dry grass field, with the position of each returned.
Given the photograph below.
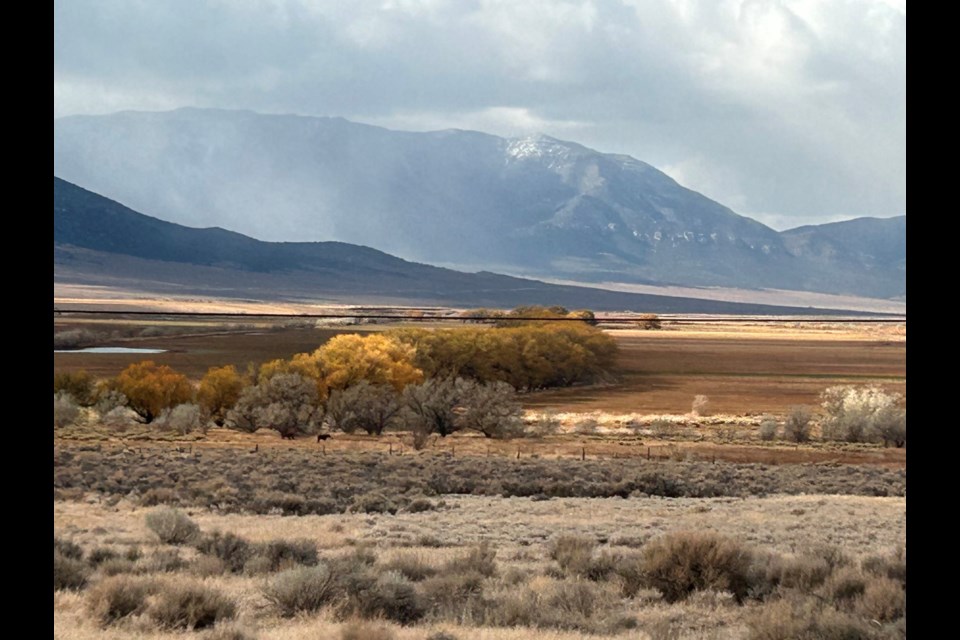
(554, 537)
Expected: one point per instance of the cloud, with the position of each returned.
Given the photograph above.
(793, 109)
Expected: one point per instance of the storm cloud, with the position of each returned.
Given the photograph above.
(791, 112)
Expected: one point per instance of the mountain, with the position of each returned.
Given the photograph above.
(536, 206)
(101, 242)
(857, 251)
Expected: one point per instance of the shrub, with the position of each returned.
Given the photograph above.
(677, 564)
(490, 408)
(181, 419)
(68, 573)
(190, 606)
(390, 596)
(768, 429)
(77, 384)
(432, 407)
(649, 321)
(883, 599)
(302, 589)
(117, 597)
(804, 619)
(100, 555)
(856, 414)
(796, 428)
(172, 526)
(151, 388)
(412, 566)
(233, 550)
(284, 554)
(65, 409)
(480, 559)
(68, 548)
(373, 502)
(371, 407)
(365, 631)
(572, 553)
(286, 402)
(230, 632)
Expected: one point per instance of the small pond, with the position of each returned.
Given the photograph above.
(110, 350)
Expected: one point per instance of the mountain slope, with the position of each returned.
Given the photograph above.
(100, 242)
(534, 205)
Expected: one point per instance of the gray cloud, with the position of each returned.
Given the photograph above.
(788, 111)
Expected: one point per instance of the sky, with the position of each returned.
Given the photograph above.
(789, 111)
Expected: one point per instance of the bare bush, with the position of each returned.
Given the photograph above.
(796, 427)
(858, 414)
(68, 573)
(768, 429)
(370, 407)
(189, 606)
(677, 564)
(490, 408)
(182, 419)
(172, 526)
(286, 402)
(118, 597)
(65, 409)
(303, 589)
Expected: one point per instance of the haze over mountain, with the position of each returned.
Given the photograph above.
(536, 205)
(101, 242)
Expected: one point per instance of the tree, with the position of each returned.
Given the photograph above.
(286, 402)
(858, 414)
(490, 408)
(219, 390)
(432, 406)
(151, 388)
(371, 407)
(376, 358)
(78, 384)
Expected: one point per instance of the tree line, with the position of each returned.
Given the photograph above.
(426, 381)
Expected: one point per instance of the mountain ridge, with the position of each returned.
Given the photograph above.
(540, 205)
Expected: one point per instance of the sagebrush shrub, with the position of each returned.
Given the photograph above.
(796, 427)
(365, 631)
(68, 573)
(677, 564)
(302, 589)
(231, 549)
(857, 414)
(572, 553)
(118, 597)
(190, 606)
(172, 526)
(65, 409)
(768, 429)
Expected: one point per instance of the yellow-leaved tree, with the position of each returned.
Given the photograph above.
(219, 390)
(150, 388)
(376, 358)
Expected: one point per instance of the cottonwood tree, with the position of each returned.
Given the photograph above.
(376, 358)
(219, 390)
(286, 402)
(150, 388)
(490, 408)
(432, 407)
(371, 407)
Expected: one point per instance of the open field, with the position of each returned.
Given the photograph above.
(465, 538)
(518, 597)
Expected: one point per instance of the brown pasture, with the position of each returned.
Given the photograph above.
(742, 369)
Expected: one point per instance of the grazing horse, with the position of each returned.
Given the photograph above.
(323, 436)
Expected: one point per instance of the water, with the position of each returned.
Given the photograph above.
(110, 350)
